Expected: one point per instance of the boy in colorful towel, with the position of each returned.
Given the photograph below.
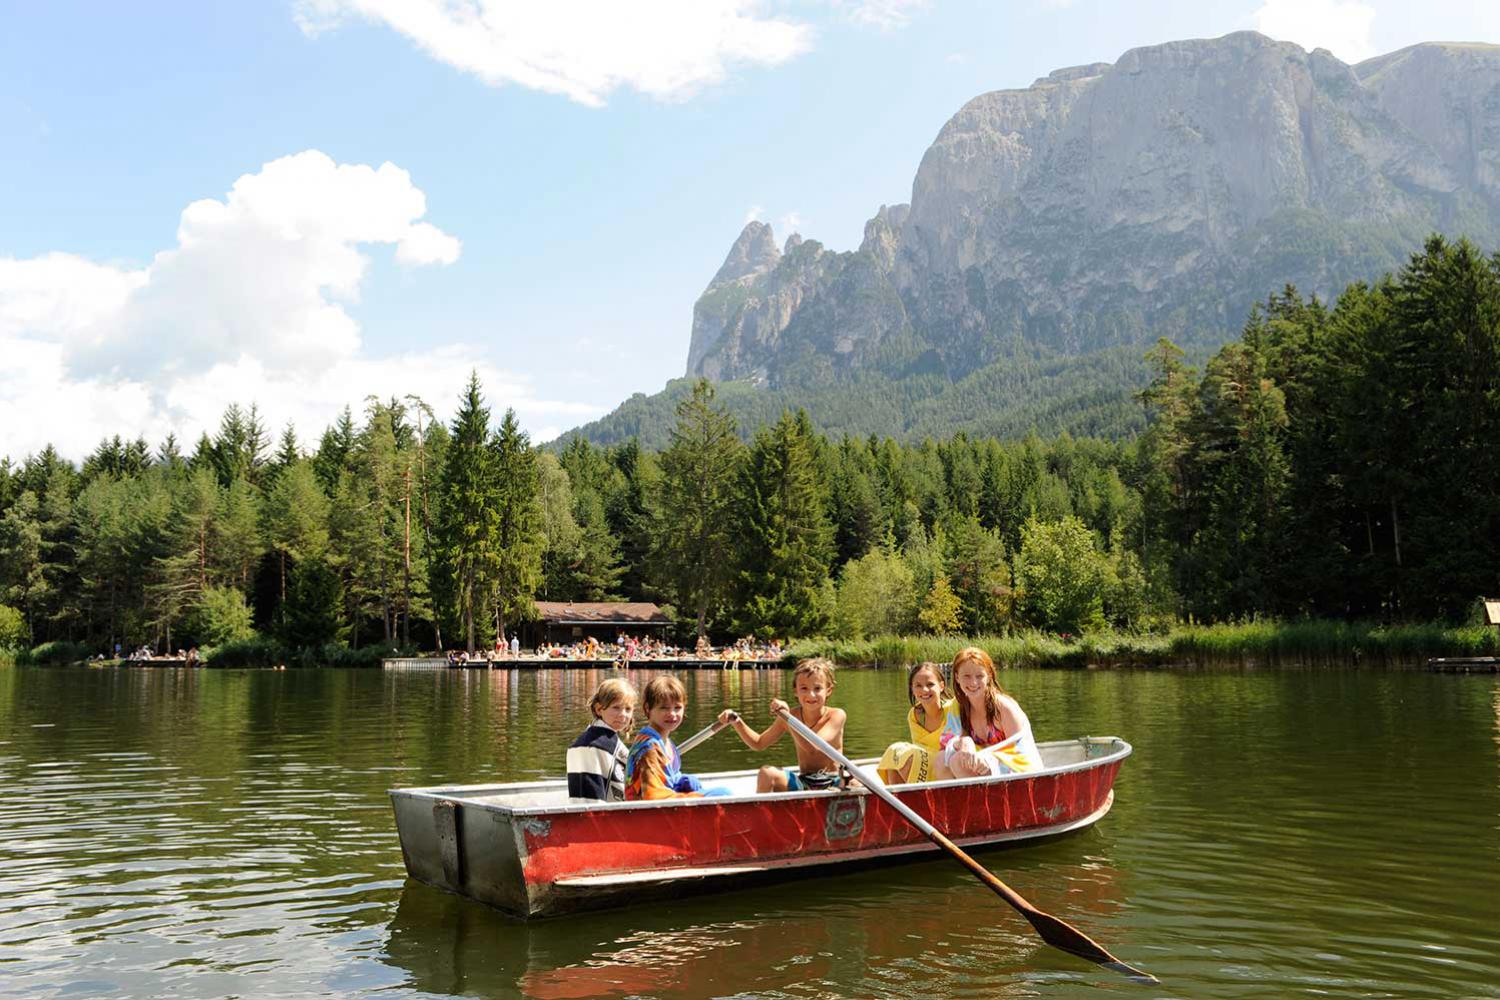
(654, 770)
(813, 682)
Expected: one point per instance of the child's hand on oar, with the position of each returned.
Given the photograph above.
(728, 717)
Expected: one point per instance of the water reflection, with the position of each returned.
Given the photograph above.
(866, 934)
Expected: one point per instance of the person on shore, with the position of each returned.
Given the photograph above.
(597, 758)
(996, 734)
(813, 683)
(654, 770)
(515, 645)
(932, 723)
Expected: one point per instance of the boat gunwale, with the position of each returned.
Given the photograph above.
(468, 797)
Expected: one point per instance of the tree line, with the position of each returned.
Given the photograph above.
(1336, 460)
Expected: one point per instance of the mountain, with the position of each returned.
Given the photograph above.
(1055, 232)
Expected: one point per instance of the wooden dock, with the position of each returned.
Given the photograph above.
(1465, 664)
(563, 663)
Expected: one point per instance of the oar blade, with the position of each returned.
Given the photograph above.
(1070, 939)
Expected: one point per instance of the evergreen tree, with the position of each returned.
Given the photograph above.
(560, 551)
(311, 618)
(334, 451)
(631, 515)
(180, 574)
(519, 535)
(786, 536)
(699, 470)
(21, 562)
(239, 544)
(294, 522)
(467, 528)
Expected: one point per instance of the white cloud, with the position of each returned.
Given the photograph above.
(248, 307)
(584, 49)
(1343, 27)
(754, 213)
(790, 223)
(269, 269)
(886, 14)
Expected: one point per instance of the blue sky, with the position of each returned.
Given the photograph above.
(582, 181)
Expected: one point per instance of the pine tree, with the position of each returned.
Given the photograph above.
(787, 539)
(699, 471)
(180, 574)
(519, 536)
(467, 526)
(294, 522)
(334, 450)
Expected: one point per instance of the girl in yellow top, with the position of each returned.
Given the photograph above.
(933, 722)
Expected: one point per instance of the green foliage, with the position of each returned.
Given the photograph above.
(57, 652)
(786, 540)
(1063, 576)
(468, 528)
(876, 592)
(940, 609)
(256, 651)
(221, 616)
(314, 597)
(520, 538)
(12, 628)
(697, 526)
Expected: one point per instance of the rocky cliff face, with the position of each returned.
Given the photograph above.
(1112, 204)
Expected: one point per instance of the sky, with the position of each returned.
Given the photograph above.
(302, 203)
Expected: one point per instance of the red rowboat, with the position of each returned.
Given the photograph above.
(531, 851)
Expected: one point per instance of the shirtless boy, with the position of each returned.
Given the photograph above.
(813, 682)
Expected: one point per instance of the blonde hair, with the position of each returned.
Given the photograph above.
(612, 692)
(662, 687)
(816, 667)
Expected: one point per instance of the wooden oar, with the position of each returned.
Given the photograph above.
(712, 729)
(1055, 932)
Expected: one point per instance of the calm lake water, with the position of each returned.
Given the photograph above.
(227, 833)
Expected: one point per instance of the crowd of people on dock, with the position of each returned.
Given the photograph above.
(961, 724)
(625, 649)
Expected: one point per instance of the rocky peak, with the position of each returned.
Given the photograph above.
(754, 253)
(882, 234)
(1110, 204)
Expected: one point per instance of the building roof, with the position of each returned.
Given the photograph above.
(601, 613)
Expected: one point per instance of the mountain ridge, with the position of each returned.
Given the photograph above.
(1105, 206)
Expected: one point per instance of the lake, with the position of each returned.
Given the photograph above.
(1279, 833)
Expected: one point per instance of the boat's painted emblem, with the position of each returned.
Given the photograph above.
(846, 818)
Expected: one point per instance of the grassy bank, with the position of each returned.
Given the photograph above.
(1253, 643)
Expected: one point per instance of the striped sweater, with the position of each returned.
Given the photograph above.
(596, 765)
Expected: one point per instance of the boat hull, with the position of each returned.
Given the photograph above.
(528, 850)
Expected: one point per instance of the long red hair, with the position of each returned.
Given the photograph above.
(992, 690)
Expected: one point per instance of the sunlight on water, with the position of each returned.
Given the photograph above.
(227, 833)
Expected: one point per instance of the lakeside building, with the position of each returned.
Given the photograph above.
(568, 622)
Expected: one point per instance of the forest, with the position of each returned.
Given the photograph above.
(1335, 461)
